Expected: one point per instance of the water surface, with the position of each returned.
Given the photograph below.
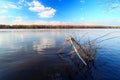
(30, 54)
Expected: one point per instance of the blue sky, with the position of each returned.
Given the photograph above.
(88, 12)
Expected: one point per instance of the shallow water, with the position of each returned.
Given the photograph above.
(30, 54)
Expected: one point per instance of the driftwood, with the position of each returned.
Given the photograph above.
(72, 42)
(76, 49)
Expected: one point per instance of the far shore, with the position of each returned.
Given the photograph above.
(55, 26)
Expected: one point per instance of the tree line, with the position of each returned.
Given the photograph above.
(52, 26)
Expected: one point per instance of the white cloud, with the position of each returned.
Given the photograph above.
(20, 1)
(21, 20)
(18, 20)
(45, 12)
(112, 22)
(3, 17)
(10, 5)
(23, 2)
(111, 5)
(3, 11)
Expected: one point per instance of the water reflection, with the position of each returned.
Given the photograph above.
(1, 41)
(44, 43)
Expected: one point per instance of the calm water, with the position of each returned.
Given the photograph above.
(28, 54)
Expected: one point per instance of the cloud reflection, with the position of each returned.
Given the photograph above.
(14, 47)
(44, 44)
(1, 40)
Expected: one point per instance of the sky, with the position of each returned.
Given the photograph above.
(83, 12)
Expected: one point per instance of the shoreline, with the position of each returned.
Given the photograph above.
(57, 27)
